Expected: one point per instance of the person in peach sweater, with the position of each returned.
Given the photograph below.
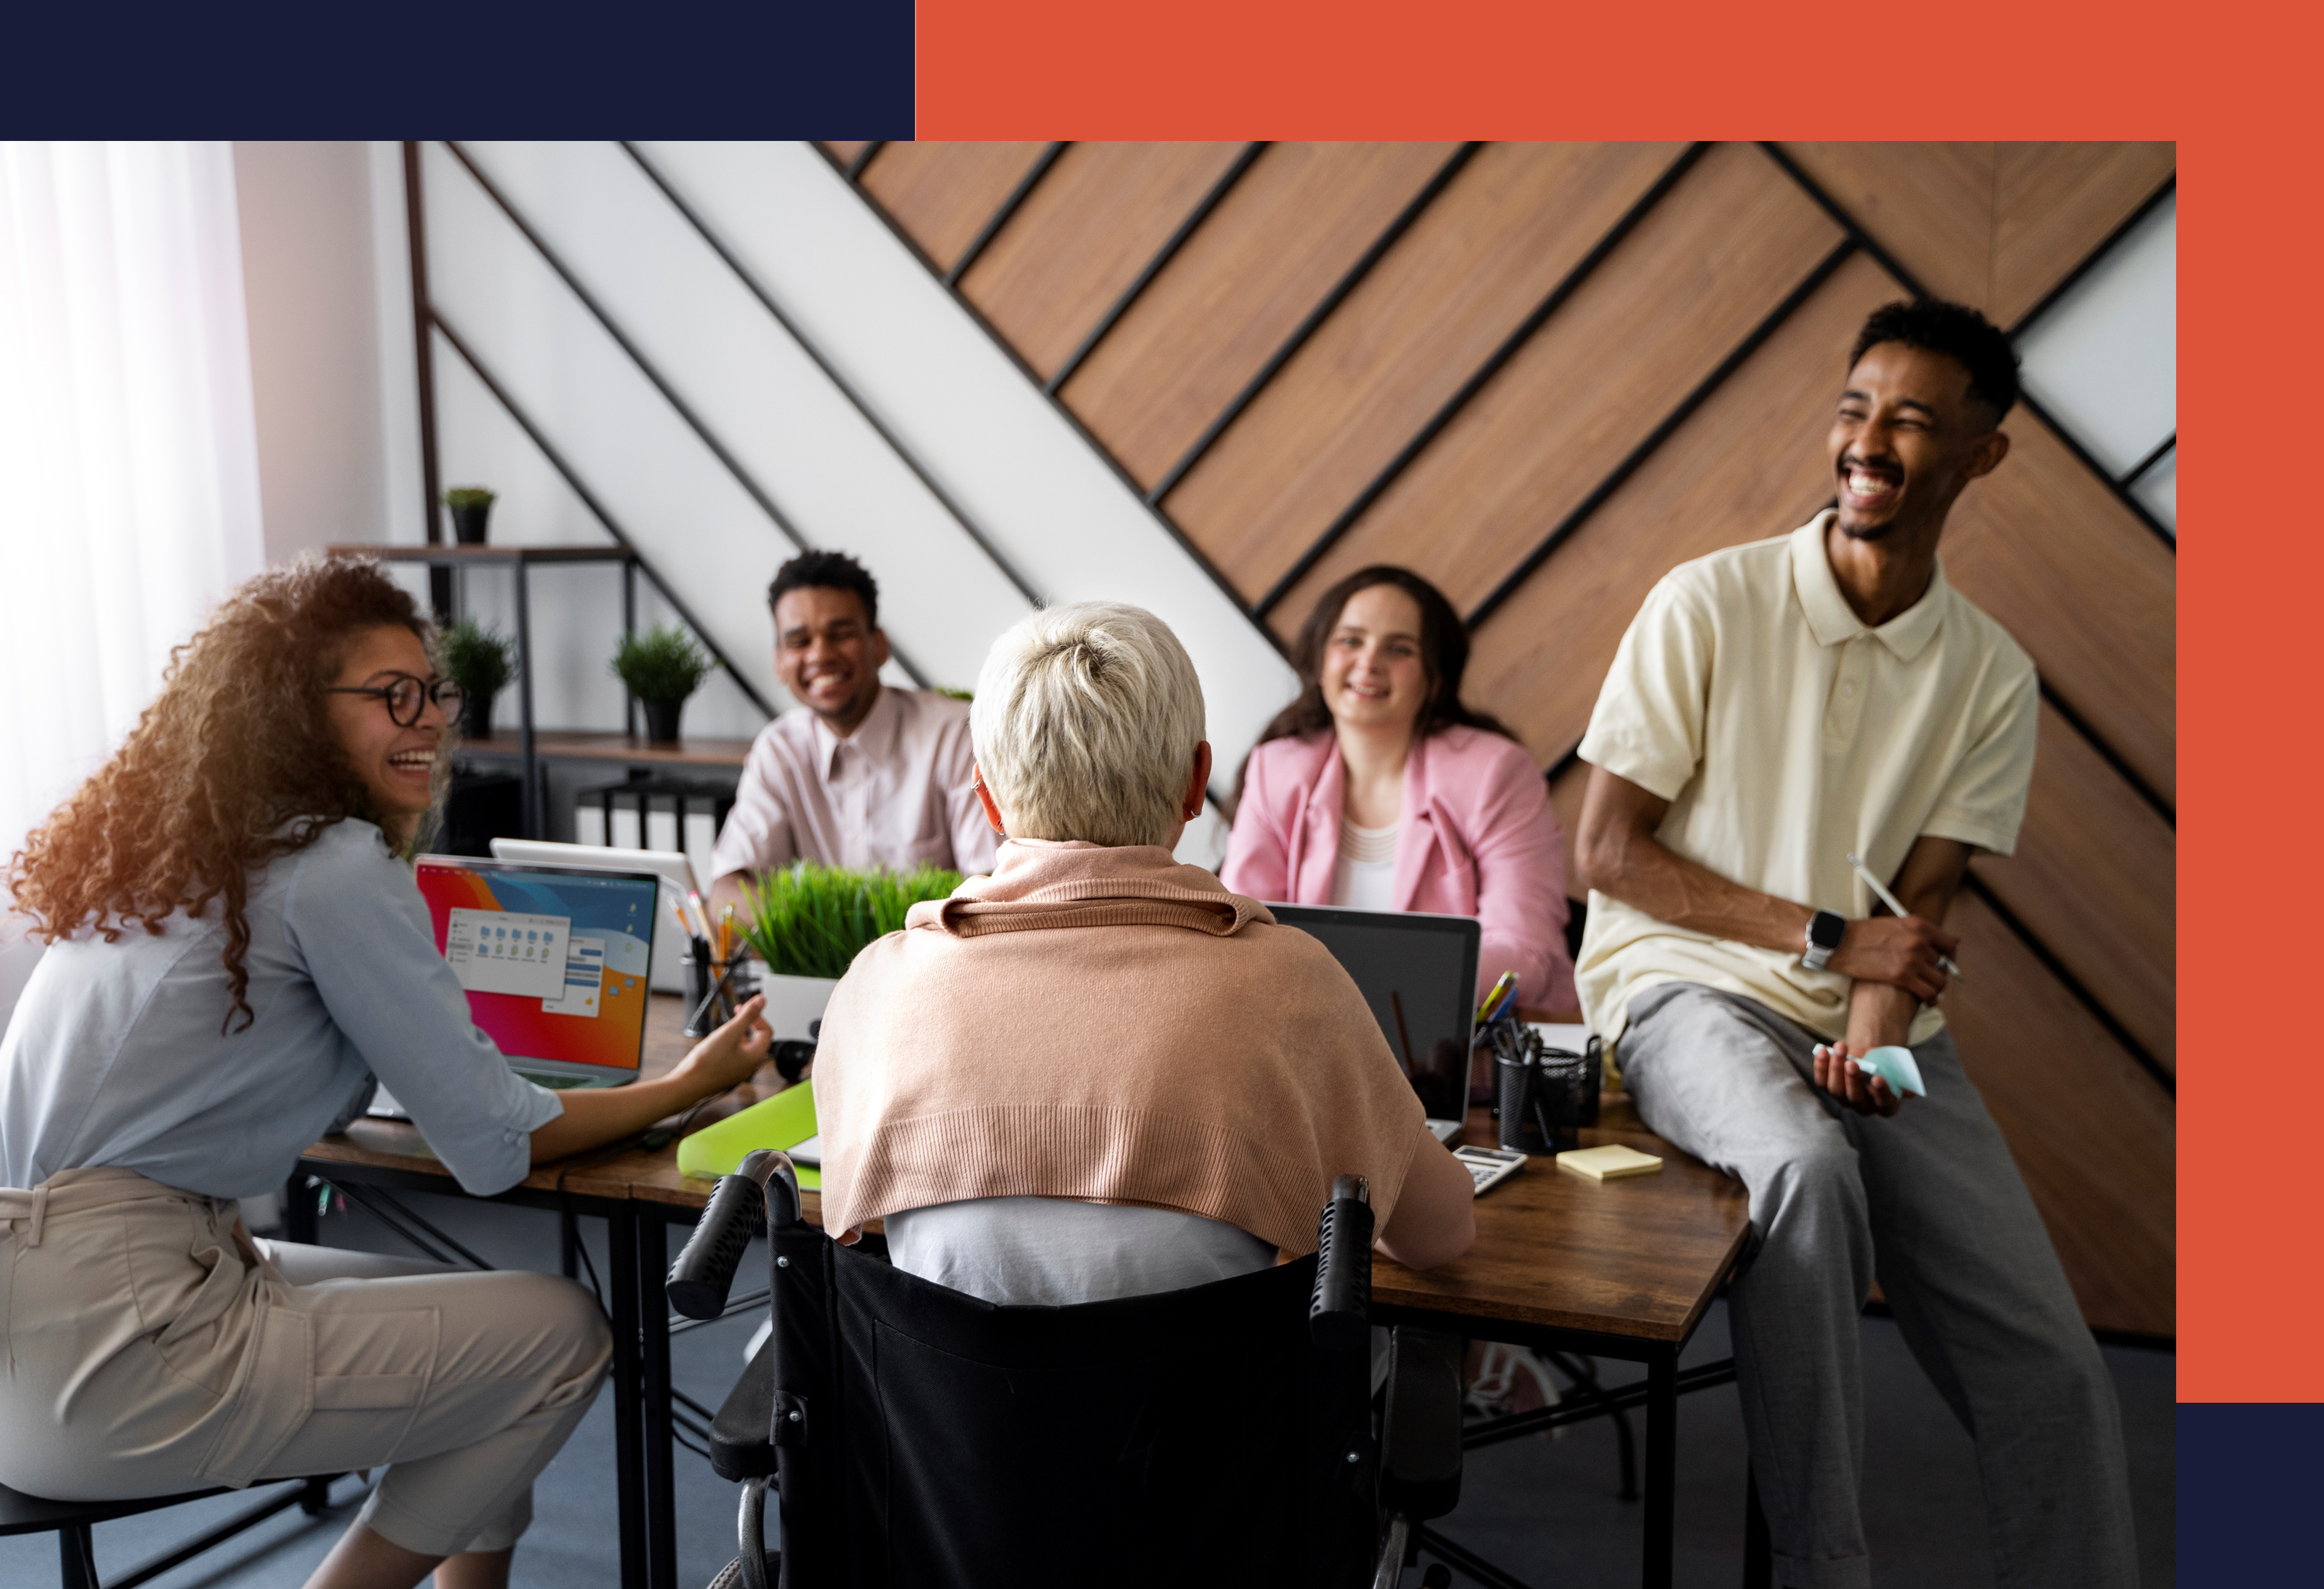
(1378, 789)
(1097, 1072)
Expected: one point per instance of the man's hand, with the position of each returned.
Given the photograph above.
(1837, 1073)
(1901, 951)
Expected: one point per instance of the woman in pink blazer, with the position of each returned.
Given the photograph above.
(1377, 788)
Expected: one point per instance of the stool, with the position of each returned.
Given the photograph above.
(71, 1521)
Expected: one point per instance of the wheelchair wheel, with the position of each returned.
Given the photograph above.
(731, 1575)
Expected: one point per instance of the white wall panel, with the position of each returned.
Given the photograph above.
(576, 612)
(665, 489)
(771, 409)
(306, 224)
(2158, 491)
(1017, 465)
(2104, 357)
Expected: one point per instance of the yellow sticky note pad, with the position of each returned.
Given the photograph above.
(1611, 1162)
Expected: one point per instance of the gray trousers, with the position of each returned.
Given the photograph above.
(1930, 1202)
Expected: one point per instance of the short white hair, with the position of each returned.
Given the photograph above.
(1085, 722)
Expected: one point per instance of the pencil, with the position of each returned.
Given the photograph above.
(1890, 900)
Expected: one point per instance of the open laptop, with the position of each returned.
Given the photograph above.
(1418, 972)
(554, 961)
(678, 880)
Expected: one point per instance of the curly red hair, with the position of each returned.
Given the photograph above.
(234, 766)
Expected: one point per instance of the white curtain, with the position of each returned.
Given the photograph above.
(128, 450)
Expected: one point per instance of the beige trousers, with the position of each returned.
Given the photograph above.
(147, 1347)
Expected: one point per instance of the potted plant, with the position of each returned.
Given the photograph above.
(481, 661)
(661, 667)
(806, 924)
(470, 505)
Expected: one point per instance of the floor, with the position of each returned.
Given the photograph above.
(1545, 1510)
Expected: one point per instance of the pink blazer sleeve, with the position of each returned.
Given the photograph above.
(1257, 864)
(1520, 849)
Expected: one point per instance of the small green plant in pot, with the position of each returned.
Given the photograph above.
(811, 921)
(481, 661)
(471, 505)
(661, 667)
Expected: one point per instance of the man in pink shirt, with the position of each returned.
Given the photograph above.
(860, 773)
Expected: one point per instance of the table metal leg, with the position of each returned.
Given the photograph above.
(654, 1318)
(534, 802)
(1662, 1468)
(301, 1222)
(629, 1445)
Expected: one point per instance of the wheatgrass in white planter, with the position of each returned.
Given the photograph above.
(806, 924)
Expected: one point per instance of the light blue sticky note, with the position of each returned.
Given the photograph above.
(1896, 1067)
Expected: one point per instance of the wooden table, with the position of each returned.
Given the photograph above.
(1624, 1269)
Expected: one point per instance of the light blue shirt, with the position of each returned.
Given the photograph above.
(115, 1054)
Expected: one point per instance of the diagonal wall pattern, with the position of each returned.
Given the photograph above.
(1543, 374)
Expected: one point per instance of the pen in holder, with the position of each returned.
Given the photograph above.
(715, 988)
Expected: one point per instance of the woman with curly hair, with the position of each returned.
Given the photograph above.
(237, 949)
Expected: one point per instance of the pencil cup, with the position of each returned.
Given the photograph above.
(716, 989)
(1539, 1091)
(701, 976)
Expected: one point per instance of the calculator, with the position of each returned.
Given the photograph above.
(1488, 1166)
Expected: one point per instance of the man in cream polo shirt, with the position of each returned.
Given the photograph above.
(1774, 707)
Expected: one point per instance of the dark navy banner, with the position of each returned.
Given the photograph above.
(474, 69)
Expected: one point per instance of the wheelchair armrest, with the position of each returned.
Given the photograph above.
(705, 1271)
(739, 1444)
(1337, 1311)
(1420, 1446)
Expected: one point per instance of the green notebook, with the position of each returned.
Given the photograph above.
(783, 1121)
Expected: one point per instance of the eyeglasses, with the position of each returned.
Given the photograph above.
(408, 697)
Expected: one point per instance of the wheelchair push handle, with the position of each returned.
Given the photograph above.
(1338, 1313)
(704, 1274)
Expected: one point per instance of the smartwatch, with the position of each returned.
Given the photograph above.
(1824, 929)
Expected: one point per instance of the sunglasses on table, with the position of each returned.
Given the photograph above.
(407, 697)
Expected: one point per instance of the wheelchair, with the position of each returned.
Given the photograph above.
(915, 1436)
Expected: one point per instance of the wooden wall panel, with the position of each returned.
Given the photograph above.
(1515, 221)
(1083, 236)
(1720, 251)
(1259, 266)
(2096, 880)
(1993, 225)
(2053, 203)
(943, 193)
(846, 149)
(2046, 547)
(1747, 464)
(1928, 205)
(2093, 1135)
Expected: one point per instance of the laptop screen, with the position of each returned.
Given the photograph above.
(1419, 974)
(553, 960)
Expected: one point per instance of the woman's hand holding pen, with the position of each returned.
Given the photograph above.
(731, 1054)
(1904, 951)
